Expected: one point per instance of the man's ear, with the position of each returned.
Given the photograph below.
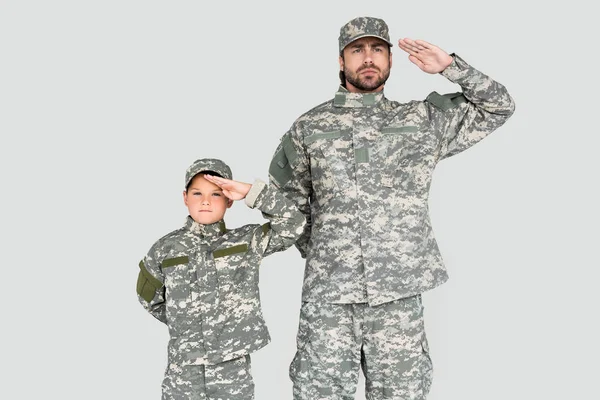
(341, 61)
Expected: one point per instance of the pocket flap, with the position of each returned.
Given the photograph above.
(323, 135)
(399, 129)
(149, 277)
(240, 248)
(170, 262)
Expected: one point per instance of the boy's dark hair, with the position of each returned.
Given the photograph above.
(212, 173)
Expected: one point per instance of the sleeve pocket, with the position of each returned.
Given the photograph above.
(147, 284)
(281, 168)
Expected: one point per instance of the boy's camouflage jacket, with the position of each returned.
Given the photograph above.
(202, 281)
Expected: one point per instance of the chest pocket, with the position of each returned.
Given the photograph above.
(331, 155)
(230, 258)
(230, 263)
(407, 155)
(178, 277)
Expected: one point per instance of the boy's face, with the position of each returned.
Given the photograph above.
(205, 201)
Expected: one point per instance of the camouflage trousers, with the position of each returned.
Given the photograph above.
(387, 341)
(229, 380)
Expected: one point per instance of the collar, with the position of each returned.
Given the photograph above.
(344, 98)
(215, 229)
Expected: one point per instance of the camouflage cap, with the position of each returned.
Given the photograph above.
(361, 27)
(207, 164)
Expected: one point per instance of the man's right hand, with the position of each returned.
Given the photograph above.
(426, 56)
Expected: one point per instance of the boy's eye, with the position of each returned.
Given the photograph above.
(217, 194)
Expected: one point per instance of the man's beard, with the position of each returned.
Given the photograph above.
(363, 84)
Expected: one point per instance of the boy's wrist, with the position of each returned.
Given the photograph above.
(247, 188)
(255, 189)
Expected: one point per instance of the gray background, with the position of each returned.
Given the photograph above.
(104, 104)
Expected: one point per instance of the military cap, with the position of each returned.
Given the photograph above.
(207, 164)
(362, 27)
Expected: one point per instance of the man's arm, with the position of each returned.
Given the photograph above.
(289, 172)
(462, 119)
(286, 222)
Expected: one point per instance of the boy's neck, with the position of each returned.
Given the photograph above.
(217, 228)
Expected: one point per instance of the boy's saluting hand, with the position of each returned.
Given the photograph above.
(232, 189)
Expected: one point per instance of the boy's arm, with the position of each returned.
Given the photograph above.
(289, 172)
(463, 119)
(286, 222)
(150, 287)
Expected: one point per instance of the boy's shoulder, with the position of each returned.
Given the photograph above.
(168, 240)
(173, 235)
(241, 231)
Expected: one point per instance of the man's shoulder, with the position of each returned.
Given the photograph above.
(317, 110)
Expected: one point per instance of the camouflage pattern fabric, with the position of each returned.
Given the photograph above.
(360, 167)
(388, 341)
(229, 380)
(207, 164)
(362, 27)
(202, 281)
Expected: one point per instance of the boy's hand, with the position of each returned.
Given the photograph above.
(426, 56)
(232, 189)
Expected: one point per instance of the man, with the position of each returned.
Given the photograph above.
(359, 167)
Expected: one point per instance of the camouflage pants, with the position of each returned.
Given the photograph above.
(388, 341)
(229, 380)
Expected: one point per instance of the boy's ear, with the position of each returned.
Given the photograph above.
(229, 202)
(185, 198)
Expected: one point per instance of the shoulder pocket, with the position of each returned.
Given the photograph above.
(147, 284)
(281, 165)
(447, 101)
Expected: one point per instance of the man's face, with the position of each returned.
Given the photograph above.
(205, 201)
(366, 64)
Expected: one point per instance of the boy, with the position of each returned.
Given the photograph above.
(202, 281)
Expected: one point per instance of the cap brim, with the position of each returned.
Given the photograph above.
(367, 35)
(206, 168)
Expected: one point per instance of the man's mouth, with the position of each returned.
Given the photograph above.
(368, 70)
